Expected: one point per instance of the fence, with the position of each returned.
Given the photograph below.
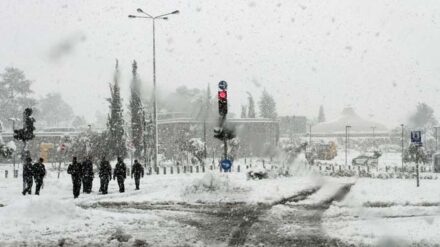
(325, 169)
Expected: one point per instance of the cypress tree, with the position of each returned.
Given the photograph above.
(251, 110)
(115, 123)
(137, 113)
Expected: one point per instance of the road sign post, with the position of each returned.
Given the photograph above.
(416, 139)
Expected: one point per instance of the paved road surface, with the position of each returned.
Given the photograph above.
(283, 223)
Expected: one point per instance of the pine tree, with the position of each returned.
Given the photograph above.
(243, 111)
(321, 115)
(267, 106)
(137, 113)
(115, 123)
(251, 109)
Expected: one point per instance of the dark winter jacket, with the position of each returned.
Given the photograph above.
(75, 170)
(27, 170)
(87, 169)
(39, 171)
(105, 170)
(120, 170)
(137, 170)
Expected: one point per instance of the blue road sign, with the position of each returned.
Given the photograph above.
(226, 164)
(416, 137)
(223, 85)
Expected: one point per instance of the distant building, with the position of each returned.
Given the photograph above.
(348, 117)
(290, 125)
(256, 135)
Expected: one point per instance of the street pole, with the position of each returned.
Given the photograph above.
(156, 145)
(436, 138)
(401, 125)
(310, 136)
(346, 143)
(374, 137)
(153, 18)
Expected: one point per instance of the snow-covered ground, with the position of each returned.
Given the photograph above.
(392, 212)
(55, 216)
(374, 211)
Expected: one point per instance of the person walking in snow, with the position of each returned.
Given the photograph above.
(137, 171)
(87, 173)
(38, 171)
(27, 177)
(120, 173)
(75, 170)
(105, 174)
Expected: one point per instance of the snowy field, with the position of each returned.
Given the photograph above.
(373, 211)
(392, 212)
(55, 217)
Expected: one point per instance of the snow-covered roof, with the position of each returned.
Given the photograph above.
(348, 117)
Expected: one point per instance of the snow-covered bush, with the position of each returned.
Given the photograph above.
(212, 182)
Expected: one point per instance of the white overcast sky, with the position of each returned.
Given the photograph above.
(379, 56)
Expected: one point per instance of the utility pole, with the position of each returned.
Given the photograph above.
(401, 125)
(347, 127)
(374, 137)
(310, 135)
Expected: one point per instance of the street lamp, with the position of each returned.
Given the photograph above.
(402, 125)
(154, 18)
(374, 137)
(310, 135)
(347, 127)
(436, 138)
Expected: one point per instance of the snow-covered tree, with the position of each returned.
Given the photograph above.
(415, 154)
(115, 124)
(15, 94)
(321, 115)
(423, 117)
(54, 110)
(137, 113)
(243, 111)
(79, 122)
(267, 106)
(251, 105)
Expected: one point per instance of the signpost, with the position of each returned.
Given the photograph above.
(416, 139)
(226, 165)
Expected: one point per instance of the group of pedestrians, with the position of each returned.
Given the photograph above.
(33, 172)
(82, 174)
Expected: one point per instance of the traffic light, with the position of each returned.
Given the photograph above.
(227, 132)
(27, 133)
(223, 102)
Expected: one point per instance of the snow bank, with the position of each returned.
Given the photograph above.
(383, 212)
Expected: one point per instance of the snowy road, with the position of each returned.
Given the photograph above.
(238, 224)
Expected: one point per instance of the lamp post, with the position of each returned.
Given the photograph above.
(13, 120)
(374, 137)
(402, 125)
(310, 136)
(154, 18)
(347, 127)
(436, 138)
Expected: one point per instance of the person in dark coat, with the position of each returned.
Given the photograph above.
(105, 174)
(120, 173)
(38, 171)
(75, 170)
(137, 171)
(87, 172)
(27, 176)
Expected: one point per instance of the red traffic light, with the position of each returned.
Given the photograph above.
(222, 95)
